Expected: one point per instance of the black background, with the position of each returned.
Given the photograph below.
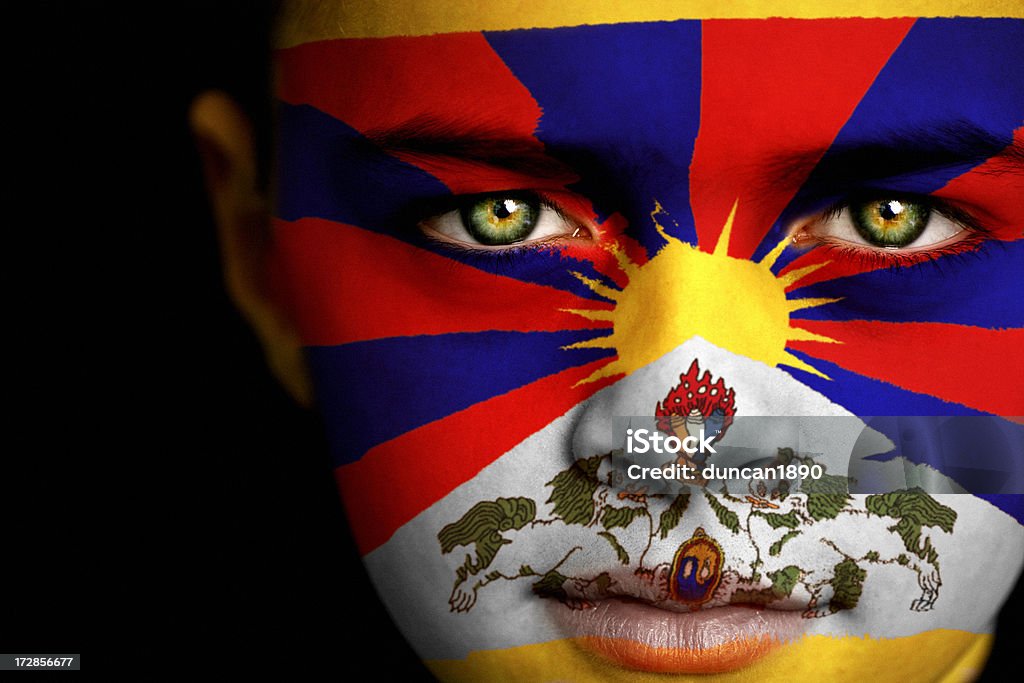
(159, 487)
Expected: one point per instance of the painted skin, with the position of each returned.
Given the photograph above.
(644, 280)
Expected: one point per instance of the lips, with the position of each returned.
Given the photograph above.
(639, 636)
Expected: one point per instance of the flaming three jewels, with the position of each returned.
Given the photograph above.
(697, 404)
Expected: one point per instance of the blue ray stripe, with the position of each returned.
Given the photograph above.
(370, 392)
(1010, 503)
(868, 397)
(945, 71)
(627, 123)
(865, 396)
(329, 170)
(982, 454)
(980, 288)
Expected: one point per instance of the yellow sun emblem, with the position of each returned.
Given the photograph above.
(682, 292)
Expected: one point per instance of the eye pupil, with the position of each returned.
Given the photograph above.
(505, 208)
(890, 210)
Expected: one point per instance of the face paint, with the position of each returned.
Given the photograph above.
(494, 244)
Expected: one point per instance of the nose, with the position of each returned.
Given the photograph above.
(755, 414)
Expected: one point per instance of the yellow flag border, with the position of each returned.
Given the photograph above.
(304, 21)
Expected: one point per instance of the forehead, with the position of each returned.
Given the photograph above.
(648, 80)
(698, 114)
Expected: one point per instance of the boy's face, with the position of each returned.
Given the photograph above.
(495, 243)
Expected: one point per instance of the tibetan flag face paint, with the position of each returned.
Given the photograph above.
(495, 243)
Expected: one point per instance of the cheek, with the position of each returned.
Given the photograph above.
(981, 563)
(426, 368)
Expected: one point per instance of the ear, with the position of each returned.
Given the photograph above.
(240, 208)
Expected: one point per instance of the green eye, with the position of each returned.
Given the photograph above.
(501, 219)
(890, 222)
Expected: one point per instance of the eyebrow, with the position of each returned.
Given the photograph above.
(886, 154)
(429, 137)
(893, 154)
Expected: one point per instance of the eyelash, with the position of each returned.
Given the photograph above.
(873, 259)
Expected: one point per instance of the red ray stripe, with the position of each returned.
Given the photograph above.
(456, 79)
(972, 366)
(463, 176)
(399, 479)
(774, 85)
(837, 266)
(448, 85)
(991, 192)
(343, 284)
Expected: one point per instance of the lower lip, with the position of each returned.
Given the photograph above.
(637, 636)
